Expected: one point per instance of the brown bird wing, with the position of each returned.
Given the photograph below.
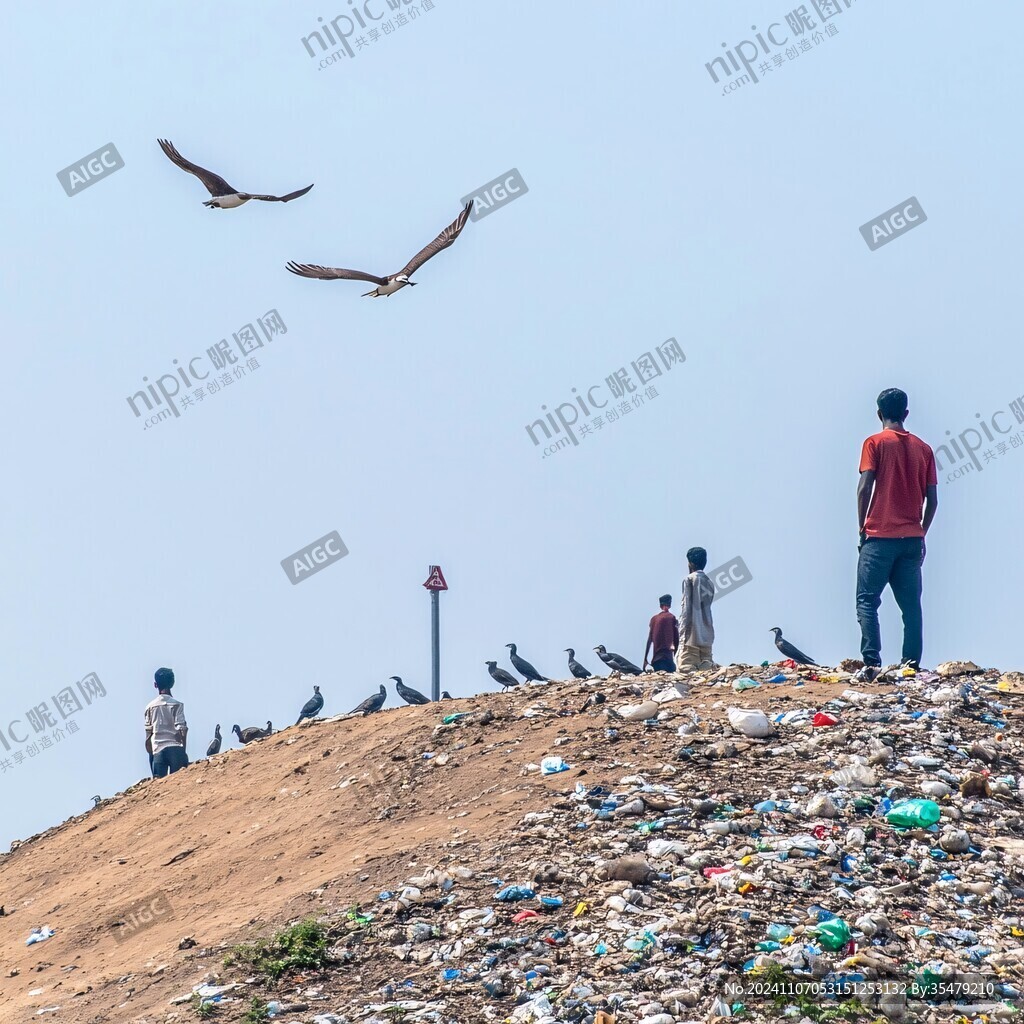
(279, 199)
(332, 273)
(214, 183)
(442, 241)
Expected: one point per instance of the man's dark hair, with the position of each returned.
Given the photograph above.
(892, 404)
(697, 557)
(665, 599)
(164, 678)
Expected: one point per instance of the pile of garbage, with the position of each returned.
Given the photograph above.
(761, 842)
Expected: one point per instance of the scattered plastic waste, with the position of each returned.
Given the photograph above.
(914, 814)
(750, 722)
(851, 832)
(514, 893)
(39, 935)
(834, 933)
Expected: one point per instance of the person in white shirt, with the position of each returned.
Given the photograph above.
(166, 728)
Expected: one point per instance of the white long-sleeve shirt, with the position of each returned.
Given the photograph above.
(695, 625)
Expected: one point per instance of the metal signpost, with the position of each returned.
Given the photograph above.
(435, 584)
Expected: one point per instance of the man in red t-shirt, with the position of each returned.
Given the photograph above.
(896, 502)
(663, 636)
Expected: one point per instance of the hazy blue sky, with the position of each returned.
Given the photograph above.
(657, 208)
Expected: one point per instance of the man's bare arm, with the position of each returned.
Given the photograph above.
(931, 503)
(865, 488)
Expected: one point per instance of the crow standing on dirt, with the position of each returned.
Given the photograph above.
(617, 662)
(252, 732)
(575, 667)
(524, 667)
(408, 694)
(312, 707)
(214, 747)
(499, 675)
(791, 652)
(371, 704)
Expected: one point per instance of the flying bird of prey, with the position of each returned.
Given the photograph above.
(214, 747)
(617, 662)
(224, 196)
(789, 650)
(499, 675)
(371, 704)
(253, 732)
(407, 693)
(575, 667)
(524, 667)
(312, 707)
(393, 282)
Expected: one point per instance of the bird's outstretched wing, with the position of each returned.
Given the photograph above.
(442, 241)
(214, 183)
(319, 273)
(278, 199)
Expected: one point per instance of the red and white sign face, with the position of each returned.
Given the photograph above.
(436, 579)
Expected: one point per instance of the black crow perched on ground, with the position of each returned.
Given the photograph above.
(499, 675)
(371, 704)
(788, 650)
(312, 707)
(575, 667)
(253, 732)
(214, 747)
(617, 662)
(407, 693)
(524, 667)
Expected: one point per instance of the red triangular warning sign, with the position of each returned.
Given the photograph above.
(436, 579)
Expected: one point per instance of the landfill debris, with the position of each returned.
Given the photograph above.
(828, 831)
(825, 831)
(751, 722)
(39, 935)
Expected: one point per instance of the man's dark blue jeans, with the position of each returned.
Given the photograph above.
(168, 761)
(896, 562)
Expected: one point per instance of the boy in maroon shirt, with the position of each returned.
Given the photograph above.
(896, 502)
(663, 636)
